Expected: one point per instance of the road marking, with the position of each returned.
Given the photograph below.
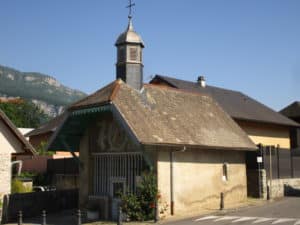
(236, 219)
(226, 218)
(283, 220)
(244, 219)
(207, 218)
(261, 220)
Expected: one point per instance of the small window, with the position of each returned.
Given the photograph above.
(225, 172)
(133, 53)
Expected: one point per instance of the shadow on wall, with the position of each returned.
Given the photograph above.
(290, 191)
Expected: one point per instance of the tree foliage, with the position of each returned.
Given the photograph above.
(24, 114)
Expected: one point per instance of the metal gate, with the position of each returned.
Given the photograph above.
(116, 170)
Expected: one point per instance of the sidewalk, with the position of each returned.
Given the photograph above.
(69, 217)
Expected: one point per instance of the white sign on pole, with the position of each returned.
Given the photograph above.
(259, 159)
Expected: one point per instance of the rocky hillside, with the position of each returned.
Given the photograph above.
(43, 90)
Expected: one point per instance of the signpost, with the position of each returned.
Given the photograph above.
(259, 160)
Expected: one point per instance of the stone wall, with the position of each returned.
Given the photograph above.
(280, 187)
(5, 173)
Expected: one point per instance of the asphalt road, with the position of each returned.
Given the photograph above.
(282, 212)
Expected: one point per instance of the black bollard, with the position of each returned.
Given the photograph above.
(222, 201)
(44, 218)
(79, 217)
(120, 217)
(20, 221)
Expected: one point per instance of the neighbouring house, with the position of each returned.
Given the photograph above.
(195, 148)
(264, 126)
(12, 144)
(41, 135)
(292, 111)
(25, 131)
(44, 132)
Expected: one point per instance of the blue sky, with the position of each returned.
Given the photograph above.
(250, 46)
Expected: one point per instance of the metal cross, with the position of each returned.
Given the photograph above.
(130, 8)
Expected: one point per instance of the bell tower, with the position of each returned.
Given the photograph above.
(129, 66)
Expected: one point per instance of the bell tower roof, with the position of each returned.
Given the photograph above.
(129, 36)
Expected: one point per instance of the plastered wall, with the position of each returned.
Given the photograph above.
(267, 134)
(8, 142)
(198, 180)
(5, 173)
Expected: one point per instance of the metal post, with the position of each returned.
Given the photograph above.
(79, 217)
(20, 221)
(44, 218)
(120, 219)
(259, 182)
(278, 162)
(222, 201)
(271, 174)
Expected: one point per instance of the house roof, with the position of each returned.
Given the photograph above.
(236, 104)
(28, 149)
(168, 116)
(292, 110)
(50, 126)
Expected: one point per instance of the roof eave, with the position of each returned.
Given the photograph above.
(202, 147)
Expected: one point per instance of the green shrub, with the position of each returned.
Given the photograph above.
(141, 206)
(18, 187)
(131, 207)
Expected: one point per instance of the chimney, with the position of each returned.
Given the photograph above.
(201, 81)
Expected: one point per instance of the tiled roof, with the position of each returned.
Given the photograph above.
(168, 116)
(292, 110)
(236, 104)
(50, 126)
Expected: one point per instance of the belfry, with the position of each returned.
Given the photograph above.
(129, 66)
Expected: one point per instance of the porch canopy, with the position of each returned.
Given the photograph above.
(154, 115)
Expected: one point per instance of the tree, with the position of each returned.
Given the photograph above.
(24, 113)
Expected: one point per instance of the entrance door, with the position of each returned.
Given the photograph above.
(117, 189)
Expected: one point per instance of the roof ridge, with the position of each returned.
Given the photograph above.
(116, 88)
(177, 89)
(191, 82)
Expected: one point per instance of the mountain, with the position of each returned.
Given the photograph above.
(43, 90)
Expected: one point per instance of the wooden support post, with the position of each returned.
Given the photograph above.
(292, 164)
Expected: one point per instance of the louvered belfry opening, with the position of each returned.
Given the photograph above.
(114, 169)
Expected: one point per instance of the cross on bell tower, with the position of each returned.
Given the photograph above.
(130, 8)
(129, 66)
